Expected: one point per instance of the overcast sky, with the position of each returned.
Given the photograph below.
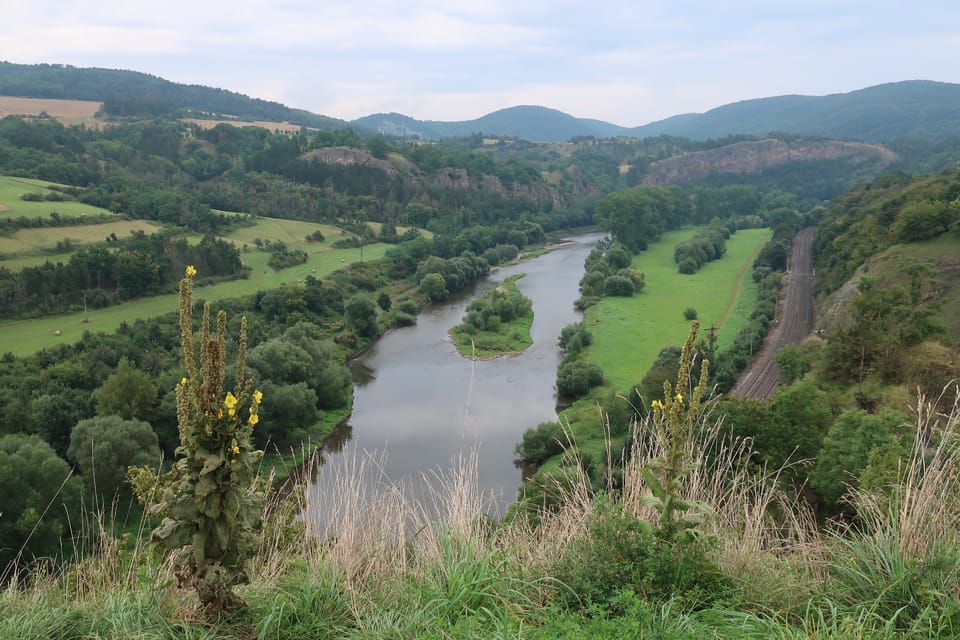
(627, 62)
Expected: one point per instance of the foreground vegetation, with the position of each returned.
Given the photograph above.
(607, 565)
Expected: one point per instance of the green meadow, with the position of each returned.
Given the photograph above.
(24, 337)
(13, 207)
(39, 243)
(628, 333)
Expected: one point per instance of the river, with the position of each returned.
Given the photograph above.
(419, 404)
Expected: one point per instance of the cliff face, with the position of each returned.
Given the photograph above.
(758, 156)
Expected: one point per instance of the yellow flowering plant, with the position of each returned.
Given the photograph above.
(210, 512)
(675, 418)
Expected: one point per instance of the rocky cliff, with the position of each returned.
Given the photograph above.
(758, 156)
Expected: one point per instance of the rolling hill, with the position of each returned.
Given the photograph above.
(74, 83)
(919, 109)
(883, 113)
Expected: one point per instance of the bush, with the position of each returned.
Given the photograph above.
(575, 379)
(620, 552)
(401, 319)
(618, 285)
(541, 443)
(690, 314)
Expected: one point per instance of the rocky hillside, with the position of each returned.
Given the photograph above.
(755, 157)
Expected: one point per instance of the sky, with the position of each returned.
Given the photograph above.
(626, 62)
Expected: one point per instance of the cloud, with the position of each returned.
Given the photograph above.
(620, 60)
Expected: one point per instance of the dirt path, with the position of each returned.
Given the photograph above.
(748, 263)
(794, 322)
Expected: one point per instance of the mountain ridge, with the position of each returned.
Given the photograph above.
(924, 109)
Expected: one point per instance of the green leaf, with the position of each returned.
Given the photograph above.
(205, 486)
(211, 462)
(655, 487)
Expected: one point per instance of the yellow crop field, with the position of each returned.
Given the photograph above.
(68, 112)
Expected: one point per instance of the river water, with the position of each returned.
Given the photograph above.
(419, 404)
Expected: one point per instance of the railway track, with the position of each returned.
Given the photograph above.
(793, 323)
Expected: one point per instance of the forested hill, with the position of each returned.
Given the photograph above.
(73, 83)
(538, 124)
(914, 109)
(883, 113)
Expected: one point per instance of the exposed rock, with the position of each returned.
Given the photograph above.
(758, 156)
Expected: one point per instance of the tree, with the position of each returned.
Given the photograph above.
(847, 446)
(792, 363)
(361, 316)
(541, 443)
(434, 286)
(104, 447)
(575, 379)
(384, 301)
(38, 500)
(799, 419)
(128, 393)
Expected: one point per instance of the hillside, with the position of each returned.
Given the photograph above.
(754, 157)
(534, 123)
(73, 83)
(918, 109)
(883, 113)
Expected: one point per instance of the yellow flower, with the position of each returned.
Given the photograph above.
(191, 271)
(219, 413)
(253, 419)
(656, 404)
(257, 396)
(236, 449)
(679, 397)
(230, 402)
(231, 412)
(183, 381)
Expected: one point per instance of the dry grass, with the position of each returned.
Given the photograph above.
(69, 112)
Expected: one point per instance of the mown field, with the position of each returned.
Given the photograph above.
(11, 206)
(628, 333)
(69, 112)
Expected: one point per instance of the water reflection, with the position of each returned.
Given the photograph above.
(419, 405)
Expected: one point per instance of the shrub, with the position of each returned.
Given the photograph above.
(617, 285)
(541, 443)
(620, 552)
(690, 314)
(575, 379)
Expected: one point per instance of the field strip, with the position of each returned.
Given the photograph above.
(735, 294)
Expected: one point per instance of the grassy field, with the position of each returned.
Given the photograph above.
(24, 337)
(629, 332)
(32, 242)
(11, 206)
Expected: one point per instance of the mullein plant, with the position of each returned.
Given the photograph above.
(675, 418)
(210, 507)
